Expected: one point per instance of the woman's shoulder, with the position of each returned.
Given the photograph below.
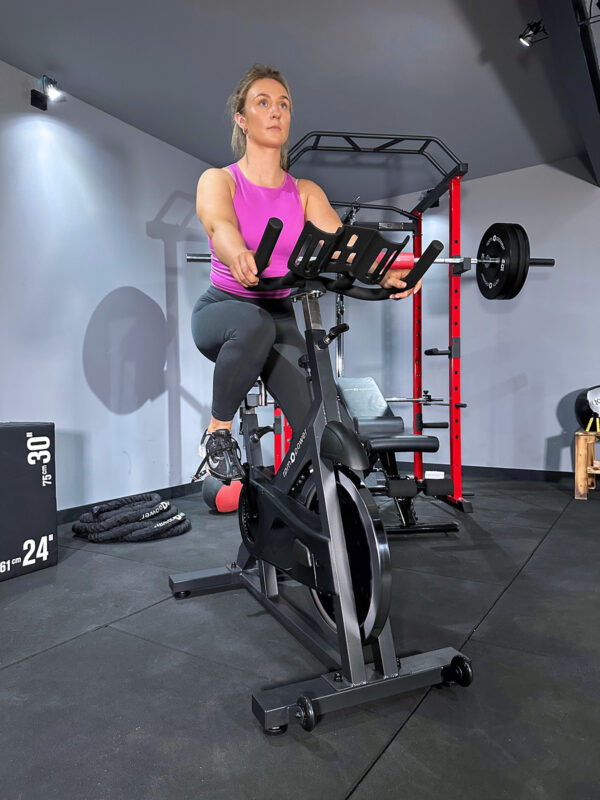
(307, 186)
(218, 177)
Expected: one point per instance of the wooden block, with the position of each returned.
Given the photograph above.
(585, 463)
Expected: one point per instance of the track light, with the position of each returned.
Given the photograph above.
(50, 91)
(532, 32)
(50, 88)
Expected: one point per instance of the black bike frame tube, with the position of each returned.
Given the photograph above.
(325, 393)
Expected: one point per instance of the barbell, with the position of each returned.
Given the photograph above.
(502, 263)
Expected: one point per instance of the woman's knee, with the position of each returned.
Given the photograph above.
(242, 327)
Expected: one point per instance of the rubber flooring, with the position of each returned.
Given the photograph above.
(111, 688)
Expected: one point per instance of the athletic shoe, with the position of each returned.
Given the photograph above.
(202, 470)
(221, 454)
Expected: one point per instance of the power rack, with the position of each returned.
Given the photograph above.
(451, 171)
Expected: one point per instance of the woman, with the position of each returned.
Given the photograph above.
(250, 333)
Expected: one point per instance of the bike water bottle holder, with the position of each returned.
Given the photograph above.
(359, 253)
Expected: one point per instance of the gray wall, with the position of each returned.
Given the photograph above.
(522, 360)
(95, 220)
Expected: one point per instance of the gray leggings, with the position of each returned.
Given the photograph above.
(248, 338)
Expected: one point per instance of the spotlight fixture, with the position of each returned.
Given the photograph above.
(50, 91)
(532, 32)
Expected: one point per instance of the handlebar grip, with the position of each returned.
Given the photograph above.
(267, 243)
(423, 264)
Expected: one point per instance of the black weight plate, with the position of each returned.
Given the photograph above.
(496, 280)
(523, 259)
(513, 259)
(520, 263)
(491, 278)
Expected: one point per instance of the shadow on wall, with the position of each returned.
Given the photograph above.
(125, 350)
(171, 226)
(565, 414)
(131, 347)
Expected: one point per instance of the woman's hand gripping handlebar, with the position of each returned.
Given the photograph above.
(247, 264)
(263, 256)
(411, 280)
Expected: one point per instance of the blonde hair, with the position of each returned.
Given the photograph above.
(237, 103)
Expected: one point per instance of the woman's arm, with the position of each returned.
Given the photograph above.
(318, 211)
(214, 206)
(316, 207)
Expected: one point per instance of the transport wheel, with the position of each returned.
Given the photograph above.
(368, 555)
(459, 671)
(306, 713)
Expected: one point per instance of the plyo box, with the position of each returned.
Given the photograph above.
(28, 539)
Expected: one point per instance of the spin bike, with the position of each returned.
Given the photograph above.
(313, 526)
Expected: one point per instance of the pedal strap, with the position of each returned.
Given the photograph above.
(222, 445)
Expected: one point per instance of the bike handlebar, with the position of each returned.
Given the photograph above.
(341, 285)
(267, 243)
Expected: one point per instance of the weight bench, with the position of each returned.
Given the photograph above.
(382, 433)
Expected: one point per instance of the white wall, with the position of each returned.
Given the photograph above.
(522, 360)
(95, 220)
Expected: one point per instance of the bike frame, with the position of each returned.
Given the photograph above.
(315, 532)
(311, 547)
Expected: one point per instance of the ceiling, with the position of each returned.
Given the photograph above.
(446, 68)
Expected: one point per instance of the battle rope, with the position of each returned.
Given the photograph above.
(137, 518)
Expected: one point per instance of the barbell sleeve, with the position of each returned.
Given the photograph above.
(541, 262)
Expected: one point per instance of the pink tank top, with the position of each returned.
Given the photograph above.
(253, 206)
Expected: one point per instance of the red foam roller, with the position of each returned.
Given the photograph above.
(402, 261)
